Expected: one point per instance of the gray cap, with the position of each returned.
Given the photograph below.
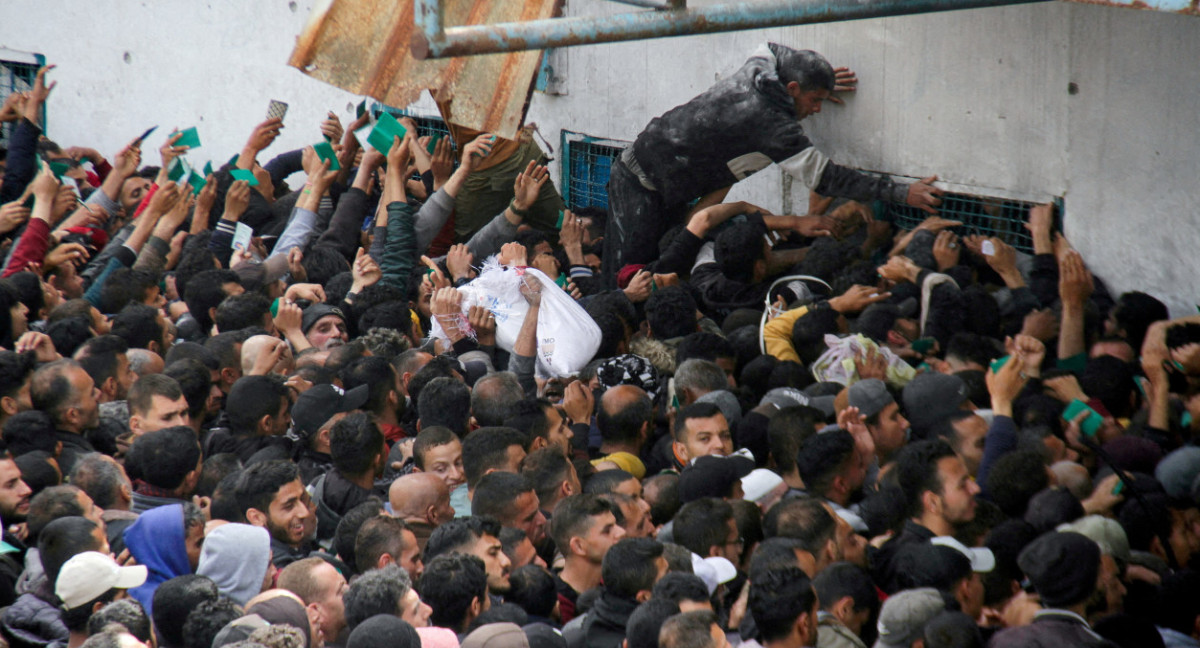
(727, 402)
(1106, 532)
(904, 615)
(1178, 470)
(870, 396)
(782, 397)
(932, 396)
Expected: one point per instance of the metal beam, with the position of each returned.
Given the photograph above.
(432, 39)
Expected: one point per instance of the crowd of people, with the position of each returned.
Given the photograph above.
(795, 430)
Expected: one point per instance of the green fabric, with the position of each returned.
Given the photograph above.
(1075, 364)
(488, 192)
(400, 253)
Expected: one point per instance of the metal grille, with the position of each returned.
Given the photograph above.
(588, 162)
(425, 125)
(15, 77)
(999, 217)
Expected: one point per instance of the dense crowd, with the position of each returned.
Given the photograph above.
(415, 402)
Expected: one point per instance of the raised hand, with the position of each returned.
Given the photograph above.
(923, 195)
(264, 134)
(442, 164)
(857, 298)
(237, 198)
(458, 262)
(12, 216)
(844, 80)
(946, 250)
(639, 287)
(331, 127)
(531, 290)
(899, 269)
(528, 185)
(365, 271)
(512, 253)
(476, 151)
(168, 152)
(483, 322)
(814, 226)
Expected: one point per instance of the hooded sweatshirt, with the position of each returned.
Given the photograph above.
(235, 557)
(156, 540)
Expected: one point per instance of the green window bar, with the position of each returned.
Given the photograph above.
(999, 217)
(587, 165)
(17, 76)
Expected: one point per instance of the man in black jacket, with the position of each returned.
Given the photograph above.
(629, 571)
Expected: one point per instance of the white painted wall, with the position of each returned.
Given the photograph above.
(978, 97)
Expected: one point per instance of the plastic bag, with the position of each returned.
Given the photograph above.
(567, 337)
(837, 364)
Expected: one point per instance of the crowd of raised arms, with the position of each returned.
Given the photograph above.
(777, 430)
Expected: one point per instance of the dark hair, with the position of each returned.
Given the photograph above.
(1110, 380)
(8, 299)
(529, 416)
(612, 334)
(625, 424)
(693, 411)
(737, 249)
(676, 587)
(457, 534)
(63, 539)
(533, 589)
(647, 621)
(100, 357)
(393, 315)
(487, 449)
(174, 599)
(224, 499)
(250, 399)
(242, 311)
(573, 517)
(804, 519)
(206, 290)
(98, 476)
(1015, 478)
(702, 524)
(76, 618)
(53, 503)
(778, 598)
(449, 585)
(951, 629)
(164, 457)
(446, 402)
(439, 367)
(379, 535)
(206, 621)
(29, 431)
(807, 68)
(322, 263)
(138, 325)
(1134, 313)
(225, 347)
(629, 567)
(378, 591)
(258, 484)
(688, 630)
(490, 406)
(917, 471)
(377, 374)
(884, 510)
(671, 313)
(195, 382)
(345, 536)
(355, 443)
(606, 481)
(143, 391)
(703, 345)
(808, 333)
(430, 437)
(1143, 519)
(128, 614)
(36, 471)
(979, 349)
(788, 429)
(666, 503)
(500, 613)
(69, 334)
(546, 469)
(921, 564)
(51, 391)
(126, 286)
(496, 495)
(15, 370)
(823, 457)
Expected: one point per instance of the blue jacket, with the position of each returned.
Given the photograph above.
(156, 540)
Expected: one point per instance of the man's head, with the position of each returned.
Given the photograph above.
(386, 399)
(384, 540)
(384, 591)
(1063, 567)
(493, 396)
(479, 537)
(633, 515)
(806, 75)
(456, 587)
(321, 587)
(168, 459)
(14, 492)
(785, 606)
(695, 629)
(688, 591)
(832, 467)
(144, 327)
(103, 358)
(65, 538)
(670, 313)
(490, 449)
(584, 528)
(510, 499)
(707, 528)
(541, 421)
(205, 291)
(357, 447)
(847, 592)
(68, 394)
(174, 599)
(965, 432)
(16, 372)
(446, 402)
(101, 477)
(624, 416)
(270, 495)
(808, 521)
(258, 406)
(943, 568)
(888, 427)
(438, 451)
(553, 476)
(262, 345)
(932, 396)
(88, 581)
(324, 326)
(700, 430)
(58, 502)
(936, 484)
(421, 497)
(631, 568)
(156, 402)
(237, 312)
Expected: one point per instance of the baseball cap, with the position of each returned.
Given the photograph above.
(982, 559)
(904, 615)
(88, 575)
(713, 570)
(758, 483)
(497, 635)
(318, 404)
(932, 396)
(870, 396)
(712, 476)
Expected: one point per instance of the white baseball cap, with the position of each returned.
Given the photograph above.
(982, 559)
(90, 574)
(713, 570)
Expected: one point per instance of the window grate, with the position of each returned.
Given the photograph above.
(999, 217)
(425, 125)
(588, 163)
(15, 76)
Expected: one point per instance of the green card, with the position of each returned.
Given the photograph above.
(325, 152)
(197, 181)
(360, 109)
(208, 170)
(59, 168)
(233, 160)
(242, 174)
(385, 130)
(433, 141)
(190, 139)
(179, 171)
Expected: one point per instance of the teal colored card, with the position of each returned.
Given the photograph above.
(59, 168)
(208, 170)
(386, 129)
(325, 152)
(433, 141)
(242, 174)
(179, 171)
(197, 181)
(190, 138)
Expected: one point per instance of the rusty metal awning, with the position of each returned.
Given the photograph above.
(362, 46)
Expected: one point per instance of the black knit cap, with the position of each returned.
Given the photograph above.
(1062, 567)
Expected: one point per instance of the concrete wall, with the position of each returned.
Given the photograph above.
(979, 97)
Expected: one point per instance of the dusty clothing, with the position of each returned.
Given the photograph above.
(1051, 629)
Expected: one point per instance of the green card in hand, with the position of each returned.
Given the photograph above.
(385, 130)
(59, 168)
(190, 138)
(325, 152)
(208, 170)
(433, 141)
(179, 171)
(242, 174)
(197, 181)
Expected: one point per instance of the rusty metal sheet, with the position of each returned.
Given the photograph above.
(362, 46)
